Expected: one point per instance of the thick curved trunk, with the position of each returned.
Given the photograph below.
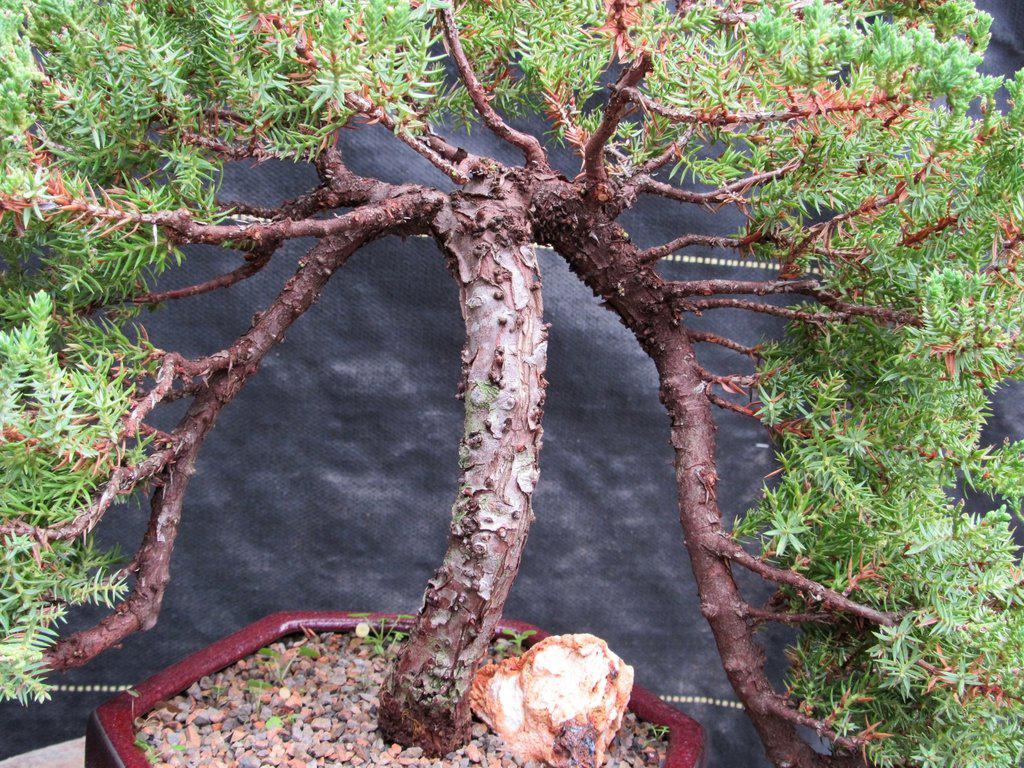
(599, 251)
(487, 239)
(140, 609)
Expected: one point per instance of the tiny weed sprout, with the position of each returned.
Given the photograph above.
(511, 642)
(854, 149)
(276, 663)
(148, 750)
(382, 638)
(657, 732)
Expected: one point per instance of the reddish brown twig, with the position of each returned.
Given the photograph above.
(816, 592)
(733, 192)
(706, 337)
(724, 119)
(253, 265)
(615, 110)
(529, 145)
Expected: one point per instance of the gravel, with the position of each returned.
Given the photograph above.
(312, 701)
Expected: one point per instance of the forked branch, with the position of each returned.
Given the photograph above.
(406, 213)
(722, 118)
(615, 110)
(733, 192)
(529, 145)
(819, 593)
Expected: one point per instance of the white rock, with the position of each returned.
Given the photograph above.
(560, 703)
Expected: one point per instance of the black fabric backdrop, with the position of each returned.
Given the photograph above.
(328, 482)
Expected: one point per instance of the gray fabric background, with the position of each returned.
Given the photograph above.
(327, 484)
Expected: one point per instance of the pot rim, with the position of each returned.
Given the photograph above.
(110, 733)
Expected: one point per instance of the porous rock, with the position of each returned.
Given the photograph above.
(560, 703)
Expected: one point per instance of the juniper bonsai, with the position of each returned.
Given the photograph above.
(875, 170)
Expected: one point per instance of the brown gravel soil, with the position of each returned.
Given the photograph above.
(312, 701)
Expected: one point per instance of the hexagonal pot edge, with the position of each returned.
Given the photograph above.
(110, 733)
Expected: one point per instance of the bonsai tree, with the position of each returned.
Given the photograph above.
(867, 158)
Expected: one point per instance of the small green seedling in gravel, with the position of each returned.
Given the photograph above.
(257, 686)
(147, 750)
(512, 643)
(383, 638)
(217, 690)
(308, 651)
(276, 663)
(656, 733)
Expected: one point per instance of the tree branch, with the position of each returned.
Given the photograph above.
(728, 193)
(829, 598)
(728, 405)
(762, 615)
(780, 706)
(139, 610)
(529, 145)
(434, 149)
(683, 288)
(615, 110)
(122, 481)
(364, 223)
(725, 119)
(658, 252)
(671, 153)
(253, 264)
(869, 207)
(151, 565)
(707, 337)
(185, 230)
(227, 150)
(841, 310)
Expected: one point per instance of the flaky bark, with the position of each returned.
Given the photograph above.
(140, 609)
(487, 239)
(600, 252)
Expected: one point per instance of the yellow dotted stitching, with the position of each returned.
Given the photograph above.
(727, 703)
(715, 261)
(674, 699)
(96, 688)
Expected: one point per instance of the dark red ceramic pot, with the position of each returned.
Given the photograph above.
(110, 735)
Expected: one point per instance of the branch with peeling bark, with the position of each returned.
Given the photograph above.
(407, 213)
(733, 192)
(722, 118)
(615, 110)
(528, 144)
(818, 593)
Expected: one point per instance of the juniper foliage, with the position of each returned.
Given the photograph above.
(859, 140)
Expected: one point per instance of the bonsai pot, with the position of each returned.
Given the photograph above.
(110, 733)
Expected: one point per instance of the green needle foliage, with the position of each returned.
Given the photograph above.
(894, 176)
